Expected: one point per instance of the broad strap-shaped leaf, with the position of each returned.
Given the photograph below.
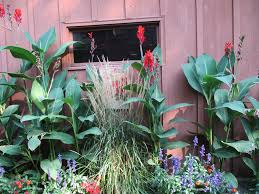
(223, 65)
(157, 53)
(29, 118)
(25, 66)
(220, 98)
(242, 146)
(57, 95)
(191, 76)
(136, 88)
(89, 118)
(205, 65)
(59, 52)
(139, 67)
(20, 75)
(173, 107)
(245, 85)
(37, 95)
(168, 133)
(73, 91)
(251, 164)
(226, 152)
(34, 143)
(60, 80)
(157, 95)
(140, 128)
(91, 131)
(8, 112)
(174, 145)
(20, 53)
(254, 102)
(70, 155)
(134, 99)
(63, 137)
(235, 106)
(248, 129)
(12, 150)
(51, 167)
(46, 40)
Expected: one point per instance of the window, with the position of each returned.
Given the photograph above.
(117, 43)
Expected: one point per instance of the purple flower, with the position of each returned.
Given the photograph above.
(2, 171)
(60, 157)
(74, 166)
(208, 158)
(64, 184)
(184, 181)
(216, 179)
(58, 179)
(190, 165)
(160, 154)
(176, 164)
(202, 151)
(195, 141)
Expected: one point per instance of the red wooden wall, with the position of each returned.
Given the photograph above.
(187, 27)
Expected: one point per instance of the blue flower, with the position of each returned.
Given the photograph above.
(202, 151)
(216, 179)
(165, 163)
(74, 166)
(60, 157)
(176, 164)
(49, 177)
(58, 179)
(190, 165)
(208, 158)
(68, 165)
(184, 181)
(195, 141)
(2, 171)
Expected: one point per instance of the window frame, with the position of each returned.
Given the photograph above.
(67, 35)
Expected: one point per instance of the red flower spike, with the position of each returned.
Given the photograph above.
(140, 34)
(234, 190)
(15, 192)
(2, 11)
(149, 60)
(90, 35)
(26, 192)
(18, 16)
(228, 47)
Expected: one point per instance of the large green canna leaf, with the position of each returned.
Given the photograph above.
(59, 52)
(251, 164)
(46, 40)
(25, 66)
(248, 129)
(89, 118)
(173, 107)
(168, 133)
(139, 67)
(58, 96)
(91, 131)
(33, 143)
(8, 112)
(242, 146)
(254, 102)
(191, 76)
(226, 152)
(245, 85)
(20, 75)
(60, 80)
(51, 167)
(139, 128)
(73, 92)
(63, 137)
(37, 95)
(220, 98)
(157, 95)
(157, 53)
(20, 53)
(205, 65)
(12, 150)
(230, 179)
(237, 106)
(136, 88)
(223, 65)
(174, 145)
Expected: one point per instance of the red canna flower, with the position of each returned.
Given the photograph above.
(26, 192)
(15, 192)
(228, 47)
(2, 11)
(18, 16)
(90, 35)
(149, 60)
(28, 182)
(234, 190)
(140, 34)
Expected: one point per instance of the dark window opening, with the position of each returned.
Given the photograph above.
(116, 43)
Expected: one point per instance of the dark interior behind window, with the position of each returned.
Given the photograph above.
(115, 42)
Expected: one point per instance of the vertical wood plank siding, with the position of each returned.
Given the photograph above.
(187, 27)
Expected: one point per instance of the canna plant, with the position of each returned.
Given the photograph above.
(153, 100)
(45, 122)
